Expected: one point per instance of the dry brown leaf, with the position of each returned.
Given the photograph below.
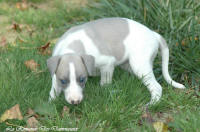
(160, 127)
(22, 5)
(16, 26)
(168, 119)
(12, 113)
(32, 122)
(147, 117)
(3, 42)
(65, 111)
(32, 65)
(183, 43)
(44, 49)
(18, 5)
(31, 112)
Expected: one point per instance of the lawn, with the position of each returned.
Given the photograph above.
(26, 27)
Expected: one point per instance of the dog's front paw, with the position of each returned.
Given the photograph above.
(102, 83)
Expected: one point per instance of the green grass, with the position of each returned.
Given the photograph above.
(115, 107)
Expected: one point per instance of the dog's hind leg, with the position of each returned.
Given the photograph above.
(144, 70)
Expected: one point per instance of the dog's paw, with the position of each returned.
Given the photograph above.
(180, 86)
(104, 83)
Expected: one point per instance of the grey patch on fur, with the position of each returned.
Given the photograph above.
(52, 63)
(89, 63)
(77, 46)
(108, 34)
(71, 30)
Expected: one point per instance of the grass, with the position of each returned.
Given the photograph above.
(115, 107)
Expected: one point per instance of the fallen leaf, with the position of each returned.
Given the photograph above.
(22, 5)
(183, 43)
(44, 49)
(16, 26)
(147, 117)
(160, 127)
(3, 42)
(168, 119)
(12, 113)
(32, 122)
(65, 111)
(32, 65)
(31, 112)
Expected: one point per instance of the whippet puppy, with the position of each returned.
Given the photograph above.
(101, 45)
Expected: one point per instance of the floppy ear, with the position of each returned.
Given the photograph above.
(52, 64)
(89, 62)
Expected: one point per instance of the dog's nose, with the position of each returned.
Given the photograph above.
(75, 101)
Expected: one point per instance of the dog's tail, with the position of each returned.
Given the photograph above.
(165, 61)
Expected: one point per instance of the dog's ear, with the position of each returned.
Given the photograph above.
(89, 62)
(52, 64)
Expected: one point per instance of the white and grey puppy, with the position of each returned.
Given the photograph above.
(103, 44)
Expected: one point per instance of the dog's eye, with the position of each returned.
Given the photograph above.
(82, 79)
(63, 81)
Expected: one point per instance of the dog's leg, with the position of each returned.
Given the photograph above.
(144, 70)
(106, 74)
(55, 91)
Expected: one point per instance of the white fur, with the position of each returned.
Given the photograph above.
(141, 47)
(55, 90)
(73, 92)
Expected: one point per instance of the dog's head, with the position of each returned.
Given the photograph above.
(71, 72)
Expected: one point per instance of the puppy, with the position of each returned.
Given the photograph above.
(101, 45)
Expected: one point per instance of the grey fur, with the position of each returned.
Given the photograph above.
(62, 72)
(52, 64)
(89, 63)
(71, 30)
(77, 47)
(108, 35)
